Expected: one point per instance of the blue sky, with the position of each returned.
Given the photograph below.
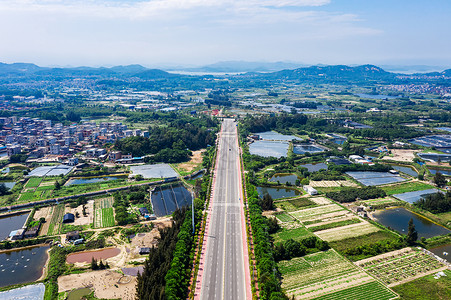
(197, 32)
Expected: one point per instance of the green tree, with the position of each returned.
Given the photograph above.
(439, 179)
(412, 234)
(57, 185)
(267, 202)
(3, 189)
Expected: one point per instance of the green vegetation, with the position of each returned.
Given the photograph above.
(435, 203)
(334, 224)
(57, 219)
(406, 187)
(296, 234)
(427, 285)
(33, 182)
(350, 194)
(368, 291)
(284, 217)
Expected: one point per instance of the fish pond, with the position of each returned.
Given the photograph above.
(87, 256)
(22, 266)
(277, 193)
(446, 172)
(435, 157)
(8, 184)
(443, 252)
(302, 149)
(314, 167)
(406, 170)
(87, 180)
(377, 97)
(165, 200)
(284, 178)
(269, 148)
(370, 178)
(275, 136)
(398, 219)
(10, 223)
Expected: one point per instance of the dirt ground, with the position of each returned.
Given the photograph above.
(82, 220)
(320, 200)
(195, 161)
(401, 155)
(107, 284)
(46, 213)
(332, 183)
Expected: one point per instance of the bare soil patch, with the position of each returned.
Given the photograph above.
(332, 183)
(195, 161)
(82, 220)
(401, 155)
(46, 213)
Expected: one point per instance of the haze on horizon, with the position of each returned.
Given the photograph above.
(197, 32)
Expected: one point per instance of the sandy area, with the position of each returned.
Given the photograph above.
(45, 212)
(106, 284)
(195, 161)
(332, 183)
(401, 155)
(320, 200)
(82, 220)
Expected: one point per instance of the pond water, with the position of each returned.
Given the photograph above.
(87, 256)
(406, 170)
(5, 170)
(91, 180)
(435, 157)
(197, 176)
(275, 136)
(314, 167)
(269, 148)
(378, 97)
(165, 200)
(8, 184)
(445, 172)
(21, 266)
(302, 149)
(277, 193)
(370, 178)
(439, 252)
(398, 219)
(284, 178)
(78, 293)
(8, 224)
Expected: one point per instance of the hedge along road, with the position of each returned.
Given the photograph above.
(226, 258)
(94, 193)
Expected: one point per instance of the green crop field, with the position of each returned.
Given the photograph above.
(406, 187)
(319, 274)
(108, 217)
(335, 224)
(33, 182)
(428, 285)
(57, 220)
(345, 232)
(316, 213)
(397, 266)
(368, 291)
(26, 197)
(284, 217)
(295, 234)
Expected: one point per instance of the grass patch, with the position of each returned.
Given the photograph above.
(296, 234)
(33, 182)
(427, 285)
(302, 202)
(108, 217)
(367, 239)
(335, 224)
(368, 291)
(284, 217)
(406, 187)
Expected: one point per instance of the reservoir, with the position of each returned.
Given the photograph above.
(398, 219)
(302, 149)
(277, 193)
(439, 252)
(10, 223)
(165, 200)
(314, 167)
(284, 178)
(22, 266)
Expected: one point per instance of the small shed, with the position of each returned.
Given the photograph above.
(68, 218)
(143, 211)
(144, 250)
(72, 235)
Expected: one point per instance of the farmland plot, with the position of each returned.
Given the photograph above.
(321, 200)
(400, 266)
(382, 202)
(344, 232)
(284, 217)
(104, 213)
(322, 274)
(57, 220)
(292, 232)
(332, 183)
(315, 213)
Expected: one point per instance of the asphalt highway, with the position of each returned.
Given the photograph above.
(224, 275)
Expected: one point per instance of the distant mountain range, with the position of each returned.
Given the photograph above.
(277, 70)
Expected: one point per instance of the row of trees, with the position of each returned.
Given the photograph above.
(152, 282)
(435, 203)
(350, 194)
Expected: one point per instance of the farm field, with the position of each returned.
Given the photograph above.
(294, 204)
(292, 231)
(325, 273)
(345, 232)
(330, 225)
(382, 202)
(104, 213)
(57, 220)
(368, 291)
(320, 200)
(400, 266)
(410, 186)
(33, 182)
(427, 285)
(315, 213)
(284, 217)
(332, 183)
